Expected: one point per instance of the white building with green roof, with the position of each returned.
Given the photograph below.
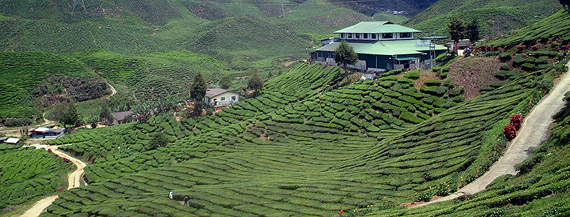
(381, 46)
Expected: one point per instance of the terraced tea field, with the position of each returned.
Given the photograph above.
(26, 174)
(381, 142)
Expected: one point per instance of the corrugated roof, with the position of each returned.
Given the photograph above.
(216, 92)
(119, 116)
(388, 48)
(376, 27)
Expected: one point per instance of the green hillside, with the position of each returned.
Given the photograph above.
(26, 174)
(29, 79)
(377, 142)
(508, 15)
(556, 27)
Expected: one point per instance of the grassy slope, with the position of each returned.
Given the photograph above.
(512, 14)
(540, 189)
(26, 174)
(22, 72)
(313, 157)
(556, 26)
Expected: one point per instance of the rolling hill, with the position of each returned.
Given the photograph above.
(507, 15)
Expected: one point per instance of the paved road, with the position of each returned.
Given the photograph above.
(533, 132)
(73, 179)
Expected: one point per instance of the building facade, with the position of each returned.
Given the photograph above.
(382, 46)
(220, 97)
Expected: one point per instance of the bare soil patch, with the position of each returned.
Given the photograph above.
(474, 73)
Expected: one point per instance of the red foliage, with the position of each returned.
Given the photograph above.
(65, 159)
(521, 48)
(71, 168)
(49, 150)
(516, 121)
(535, 48)
(60, 190)
(510, 132)
(564, 47)
(340, 212)
(491, 48)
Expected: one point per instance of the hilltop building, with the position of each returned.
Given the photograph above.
(381, 46)
(220, 97)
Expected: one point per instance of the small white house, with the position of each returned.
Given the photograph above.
(12, 141)
(220, 97)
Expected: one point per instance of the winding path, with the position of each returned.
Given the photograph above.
(73, 179)
(533, 132)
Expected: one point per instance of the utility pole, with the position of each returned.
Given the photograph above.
(76, 2)
(282, 9)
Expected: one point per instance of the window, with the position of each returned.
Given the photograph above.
(405, 35)
(349, 35)
(388, 35)
(341, 35)
(223, 98)
(374, 36)
(357, 35)
(365, 36)
(233, 97)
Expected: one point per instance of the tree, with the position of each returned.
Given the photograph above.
(105, 115)
(70, 116)
(157, 140)
(457, 31)
(473, 31)
(255, 82)
(197, 93)
(345, 55)
(226, 82)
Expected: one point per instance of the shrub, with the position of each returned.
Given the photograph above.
(505, 67)
(529, 67)
(516, 121)
(519, 60)
(541, 60)
(535, 48)
(433, 83)
(412, 75)
(510, 132)
(521, 48)
(530, 60)
(504, 57)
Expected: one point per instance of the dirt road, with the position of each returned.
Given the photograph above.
(74, 180)
(533, 132)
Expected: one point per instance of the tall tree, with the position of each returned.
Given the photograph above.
(473, 31)
(345, 55)
(199, 87)
(255, 82)
(457, 31)
(70, 116)
(105, 115)
(226, 82)
(197, 93)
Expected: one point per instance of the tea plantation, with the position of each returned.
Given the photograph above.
(26, 174)
(24, 72)
(377, 143)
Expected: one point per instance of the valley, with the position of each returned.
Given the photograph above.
(398, 137)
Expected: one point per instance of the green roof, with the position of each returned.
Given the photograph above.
(376, 27)
(388, 48)
(405, 58)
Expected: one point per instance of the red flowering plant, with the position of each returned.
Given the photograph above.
(50, 151)
(535, 48)
(510, 132)
(60, 190)
(516, 121)
(65, 159)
